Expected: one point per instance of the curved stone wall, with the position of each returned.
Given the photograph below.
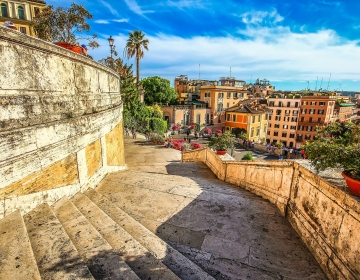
(60, 122)
(327, 219)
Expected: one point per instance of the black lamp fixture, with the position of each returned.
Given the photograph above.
(111, 44)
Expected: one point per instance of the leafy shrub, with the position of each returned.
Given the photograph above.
(248, 156)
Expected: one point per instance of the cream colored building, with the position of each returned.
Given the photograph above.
(21, 13)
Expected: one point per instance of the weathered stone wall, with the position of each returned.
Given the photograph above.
(60, 122)
(326, 218)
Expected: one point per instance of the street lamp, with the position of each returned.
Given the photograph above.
(111, 44)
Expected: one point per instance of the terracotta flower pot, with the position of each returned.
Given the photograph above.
(354, 185)
(220, 152)
(71, 47)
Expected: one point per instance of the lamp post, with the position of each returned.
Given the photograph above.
(112, 46)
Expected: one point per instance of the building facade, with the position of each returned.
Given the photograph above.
(283, 120)
(250, 116)
(21, 13)
(314, 111)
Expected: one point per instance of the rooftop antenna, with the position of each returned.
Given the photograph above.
(317, 78)
(322, 78)
(328, 82)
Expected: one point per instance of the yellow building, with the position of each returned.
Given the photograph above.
(21, 13)
(250, 116)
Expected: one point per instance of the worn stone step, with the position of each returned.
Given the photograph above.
(99, 256)
(17, 260)
(55, 254)
(179, 264)
(141, 261)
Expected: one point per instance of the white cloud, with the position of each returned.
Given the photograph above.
(134, 7)
(107, 5)
(260, 17)
(193, 4)
(102, 21)
(273, 53)
(121, 20)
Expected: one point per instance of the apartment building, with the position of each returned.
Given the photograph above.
(283, 119)
(249, 115)
(314, 111)
(21, 13)
(222, 95)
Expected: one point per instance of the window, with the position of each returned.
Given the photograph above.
(278, 112)
(227, 104)
(286, 119)
(322, 103)
(221, 95)
(287, 112)
(309, 128)
(252, 132)
(198, 118)
(277, 118)
(312, 103)
(268, 133)
(228, 117)
(301, 128)
(207, 94)
(307, 137)
(296, 104)
(312, 111)
(319, 120)
(293, 119)
(220, 107)
(4, 11)
(292, 135)
(22, 29)
(303, 111)
(276, 133)
(253, 119)
(302, 119)
(271, 104)
(234, 118)
(21, 12)
(285, 126)
(293, 127)
(241, 95)
(288, 104)
(284, 134)
(277, 125)
(259, 118)
(228, 95)
(310, 119)
(269, 124)
(304, 103)
(280, 104)
(235, 95)
(36, 11)
(295, 113)
(265, 128)
(219, 119)
(207, 121)
(269, 117)
(321, 112)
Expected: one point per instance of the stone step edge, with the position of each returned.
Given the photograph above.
(91, 255)
(121, 240)
(172, 258)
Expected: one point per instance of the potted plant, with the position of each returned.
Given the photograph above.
(222, 142)
(337, 146)
(63, 26)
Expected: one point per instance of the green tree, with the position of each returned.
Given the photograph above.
(158, 90)
(63, 24)
(135, 46)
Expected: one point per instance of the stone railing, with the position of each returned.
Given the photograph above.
(60, 122)
(327, 219)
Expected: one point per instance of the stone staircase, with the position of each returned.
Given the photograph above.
(86, 237)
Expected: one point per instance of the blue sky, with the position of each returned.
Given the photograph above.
(289, 42)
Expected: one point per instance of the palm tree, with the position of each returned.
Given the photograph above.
(135, 45)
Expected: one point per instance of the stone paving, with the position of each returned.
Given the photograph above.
(229, 232)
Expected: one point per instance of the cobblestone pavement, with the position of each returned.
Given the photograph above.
(228, 231)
